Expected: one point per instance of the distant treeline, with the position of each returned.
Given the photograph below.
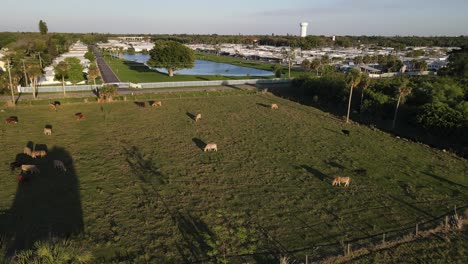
(319, 41)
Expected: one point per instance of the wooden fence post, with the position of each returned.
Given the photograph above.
(383, 238)
(446, 221)
(417, 229)
(307, 259)
(348, 251)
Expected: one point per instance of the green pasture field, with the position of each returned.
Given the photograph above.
(140, 189)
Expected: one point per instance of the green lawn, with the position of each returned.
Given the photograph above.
(139, 189)
(129, 71)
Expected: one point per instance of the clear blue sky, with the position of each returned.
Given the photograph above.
(326, 17)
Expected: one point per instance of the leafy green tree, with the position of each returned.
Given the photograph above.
(61, 71)
(171, 55)
(353, 78)
(75, 73)
(277, 69)
(34, 71)
(458, 64)
(108, 91)
(90, 56)
(306, 64)
(403, 91)
(93, 73)
(315, 65)
(43, 27)
(358, 60)
(420, 65)
(441, 119)
(363, 85)
(325, 60)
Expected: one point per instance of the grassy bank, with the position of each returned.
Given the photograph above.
(140, 189)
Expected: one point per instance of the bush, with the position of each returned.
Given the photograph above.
(441, 119)
(108, 91)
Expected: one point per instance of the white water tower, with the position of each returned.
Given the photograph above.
(304, 29)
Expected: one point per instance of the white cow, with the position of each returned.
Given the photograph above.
(210, 147)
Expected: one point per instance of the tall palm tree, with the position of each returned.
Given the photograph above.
(353, 78)
(289, 55)
(61, 70)
(315, 65)
(34, 72)
(403, 91)
(363, 84)
(306, 64)
(93, 73)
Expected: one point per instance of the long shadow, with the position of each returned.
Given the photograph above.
(194, 232)
(200, 144)
(136, 66)
(335, 165)
(445, 180)
(330, 130)
(264, 105)
(319, 175)
(46, 206)
(191, 116)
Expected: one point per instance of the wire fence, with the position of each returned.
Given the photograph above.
(157, 85)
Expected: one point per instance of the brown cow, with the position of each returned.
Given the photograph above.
(274, 106)
(198, 117)
(11, 120)
(79, 116)
(38, 153)
(30, 168)
(338, 180)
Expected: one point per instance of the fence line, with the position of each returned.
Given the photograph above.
(157, 85)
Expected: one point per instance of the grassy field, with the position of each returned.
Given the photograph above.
(129, 71)
(139, 188)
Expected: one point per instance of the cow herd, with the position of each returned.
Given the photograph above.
(27, 169)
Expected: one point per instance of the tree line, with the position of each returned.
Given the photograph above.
(436, 105)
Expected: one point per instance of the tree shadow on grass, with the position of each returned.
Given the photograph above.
(445, 180)
(48, 205)
(319, 175)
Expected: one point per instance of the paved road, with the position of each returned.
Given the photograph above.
(106, 72)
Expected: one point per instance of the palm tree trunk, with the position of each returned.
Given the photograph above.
(349, 104)
(289, 72)
(63, 85)
(396, 112)
(171, 72)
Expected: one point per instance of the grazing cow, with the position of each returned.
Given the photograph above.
(210, 147)
(346, 132)
(337, 181)
(274, 106)
(30, 168)
(157, 103)
(58, 164)
(38, 153)
(11, 120)
(79, 116)
(198, 117)
(47, 131)
(14, 165)
(52, 106)
(27, 151)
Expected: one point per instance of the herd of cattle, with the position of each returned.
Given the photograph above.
(27, 169)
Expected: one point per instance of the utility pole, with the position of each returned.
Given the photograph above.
(11, 84)
(25, 76)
